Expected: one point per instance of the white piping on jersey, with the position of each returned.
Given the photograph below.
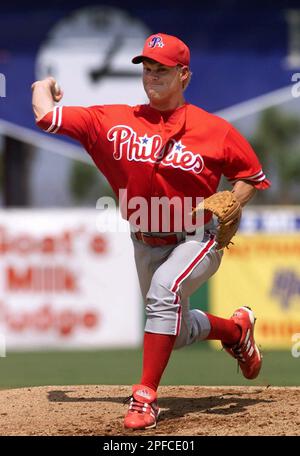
(56, 114)
(53, 121)
(59, 119)
(258, 177)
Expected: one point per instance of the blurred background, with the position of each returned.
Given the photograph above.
(70, 305)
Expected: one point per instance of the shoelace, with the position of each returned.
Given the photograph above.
(238, 354)
(135, 405)
(239, 357)
(240, 349)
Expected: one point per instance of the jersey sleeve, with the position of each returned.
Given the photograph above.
(241, 162)
(80, 123)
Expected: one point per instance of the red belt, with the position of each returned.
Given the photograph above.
(156, 241)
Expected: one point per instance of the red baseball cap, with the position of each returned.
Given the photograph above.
(165, 49)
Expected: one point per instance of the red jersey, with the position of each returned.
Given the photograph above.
(181, 153)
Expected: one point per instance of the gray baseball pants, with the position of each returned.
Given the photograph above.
(168, 276)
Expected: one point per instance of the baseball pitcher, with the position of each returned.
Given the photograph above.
(170, 149)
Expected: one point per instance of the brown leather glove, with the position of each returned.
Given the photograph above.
(228, 211)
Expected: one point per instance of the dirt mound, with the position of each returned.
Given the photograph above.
(186, 410)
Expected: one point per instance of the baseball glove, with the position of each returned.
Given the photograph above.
(228, 211)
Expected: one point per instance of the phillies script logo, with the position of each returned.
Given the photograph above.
(149, 149)
(156, 41)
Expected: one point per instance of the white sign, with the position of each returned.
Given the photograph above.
(64, 284)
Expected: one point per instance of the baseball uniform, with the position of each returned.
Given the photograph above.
(182, 153)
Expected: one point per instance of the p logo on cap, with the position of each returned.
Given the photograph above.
(165, 49)
(156, 41)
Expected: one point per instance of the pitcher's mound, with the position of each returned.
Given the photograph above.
(186, 410)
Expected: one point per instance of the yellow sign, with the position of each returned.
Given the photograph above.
(261, 271)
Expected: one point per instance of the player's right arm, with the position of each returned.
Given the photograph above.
(80, 123)
(44, 95)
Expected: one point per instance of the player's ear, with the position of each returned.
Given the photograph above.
(184, 73)
(185, 76)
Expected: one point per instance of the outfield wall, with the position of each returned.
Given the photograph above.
(67, 282)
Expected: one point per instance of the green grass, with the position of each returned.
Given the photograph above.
(193, 365)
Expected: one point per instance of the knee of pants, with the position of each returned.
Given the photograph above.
(160, 298)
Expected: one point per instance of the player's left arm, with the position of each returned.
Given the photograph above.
(243, 191)
(242, 167)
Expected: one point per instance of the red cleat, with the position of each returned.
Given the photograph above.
(143, 409)
(246, 351)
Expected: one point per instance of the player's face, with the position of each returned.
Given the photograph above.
(161, 82)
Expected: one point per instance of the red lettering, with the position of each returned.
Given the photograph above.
(40, 279)
(69, 281)
(25, 244)
(170, 158)
(44, 318)
(47, 318)
(67, 321)
(199, 164)
(150, 148)
(17, 323)
(279, 329)
(98, 244)
(90, 319)
(66, 242)
(48, 245)
(119, 134)
(187, 159)
(155, 147)
(134, 150)
(16, 280)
